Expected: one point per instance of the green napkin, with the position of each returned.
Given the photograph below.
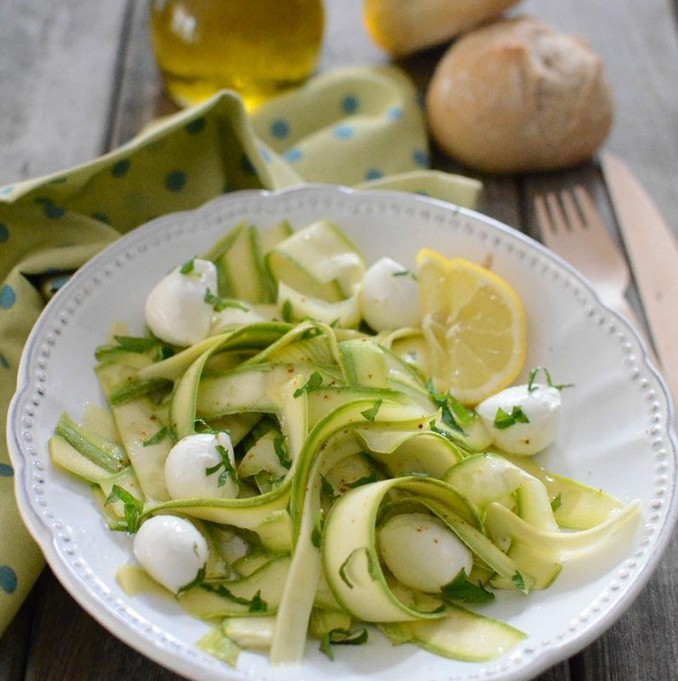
(358, 127)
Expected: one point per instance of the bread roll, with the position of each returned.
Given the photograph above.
(404, 26)
(517, 95)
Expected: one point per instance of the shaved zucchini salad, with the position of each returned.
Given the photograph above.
(291, 462)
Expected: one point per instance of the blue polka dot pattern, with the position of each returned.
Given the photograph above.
(395, 113)
(265, 155)
(121, 168)
(280, 129)
(344, 132)
(176, 180)
(373, 174)
(421, 158)
(4, 233)
(350, 104)
(55, 283)
(7, 297)
(8, 579)
(50, 209)
(6, 471)
(196, 126)
(293, 154)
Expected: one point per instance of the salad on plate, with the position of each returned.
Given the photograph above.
(303, 445)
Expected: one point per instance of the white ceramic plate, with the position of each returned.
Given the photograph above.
(617, 431)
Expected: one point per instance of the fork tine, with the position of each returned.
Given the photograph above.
(549, 216)
(572, 209)
(543, 218)
(571, 226)
(558, 219)
(588, 208)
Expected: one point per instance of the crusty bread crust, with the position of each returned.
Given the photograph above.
(402, 27)
(517, 95)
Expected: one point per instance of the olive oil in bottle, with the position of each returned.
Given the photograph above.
(257, 47)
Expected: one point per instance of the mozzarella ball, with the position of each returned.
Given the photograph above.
(541, 405)
(171, 550)
(422, 552)
(188, 462)
(176, 309)
(390, 296)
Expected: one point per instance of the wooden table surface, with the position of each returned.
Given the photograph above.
(77, 78)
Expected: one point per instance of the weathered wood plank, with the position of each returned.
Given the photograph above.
(141, 97)
(68, 644)
(346, 41)
(643, 643)
(15, 643)
(57, 70)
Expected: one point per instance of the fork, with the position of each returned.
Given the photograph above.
(572, 227)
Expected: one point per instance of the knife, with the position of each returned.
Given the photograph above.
(653, 254)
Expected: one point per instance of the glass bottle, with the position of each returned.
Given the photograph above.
(256, 47)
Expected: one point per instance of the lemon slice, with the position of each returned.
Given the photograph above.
(474, 325)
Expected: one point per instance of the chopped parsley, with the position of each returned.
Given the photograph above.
(371, 413)
(188, 267)
(343, 637)
(519, 581)
(281, 452)
(315, 382)
(452, 412)
(254, 604)
(556, 502)
(201, 426)
(225, 463)
(406, 273)
(504, 420)
(133, 507)
(531, 386)
(461, 588)
(220, 304)
(158, 437)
